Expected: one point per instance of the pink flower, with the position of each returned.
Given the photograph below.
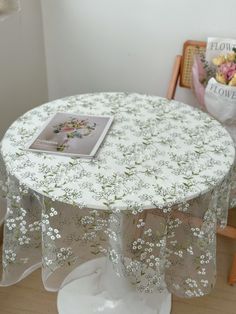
(228, 69)
(67, 129)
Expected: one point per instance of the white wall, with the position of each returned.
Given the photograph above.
(23, 82)
(99, 45)
(125, 45)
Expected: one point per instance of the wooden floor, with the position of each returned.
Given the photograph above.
(29, 296)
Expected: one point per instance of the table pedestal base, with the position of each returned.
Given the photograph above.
(95, 288)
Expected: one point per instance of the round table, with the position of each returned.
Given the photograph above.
(150, 201)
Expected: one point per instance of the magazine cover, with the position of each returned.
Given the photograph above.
(72, 135)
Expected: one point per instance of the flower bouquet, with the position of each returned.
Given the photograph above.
(214, 81)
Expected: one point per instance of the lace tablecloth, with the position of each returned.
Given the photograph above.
(150, 200)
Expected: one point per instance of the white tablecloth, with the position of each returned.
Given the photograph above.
(150, 200)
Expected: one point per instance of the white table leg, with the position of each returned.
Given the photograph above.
(94, 287)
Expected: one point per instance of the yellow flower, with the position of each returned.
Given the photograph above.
(220, 78)
(218, 60)
(231, 56)
(232, 82)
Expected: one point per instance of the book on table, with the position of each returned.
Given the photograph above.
(72, 135)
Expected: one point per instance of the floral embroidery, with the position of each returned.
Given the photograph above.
(150, 200)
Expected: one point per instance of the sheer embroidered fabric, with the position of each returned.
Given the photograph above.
(150, 200)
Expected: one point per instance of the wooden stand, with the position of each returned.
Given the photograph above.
(1, 234)
(232, 276)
